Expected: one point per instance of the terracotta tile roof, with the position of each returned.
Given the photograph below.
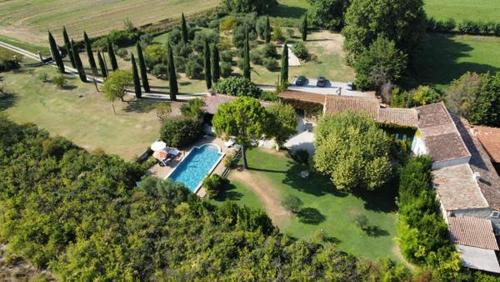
(480, 163)
(212, 102)
(405, 117)
(303, 96)
(440, 133)
(457, 189)
(336, 104)
(490, 139)
(473, 232)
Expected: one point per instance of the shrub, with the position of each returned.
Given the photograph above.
(292, 203)
(227, 23)
(238, 86)
(123, 53)
(154, 54)
(163, 111)
(277, 34)
(226, 69)
(193, 108)
(9, 60)
(194, 68)
(300, 50)
(59, 81)
(226, 56)
(214, 185)
(160, 71)
(181, 133)
(256, 57)
(230, 161)
(361, 221)
(43, 77)
(269, 51)
(269, 96)
(271, 64)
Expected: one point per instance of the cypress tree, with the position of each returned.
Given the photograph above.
(267, 31)
(68, 48)
(208, 68)
(304, 28)
(78, 62)
(90, 54)
(137, 81)
(142, 68)
(246, 57)
(112, 57)
(185, 31)
(174, 88)
(215, 63)
(284, 67)
(56, 56)
(102, 65)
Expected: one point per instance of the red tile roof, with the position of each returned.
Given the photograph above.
(303, 96)
(490, 139)
(473, 232)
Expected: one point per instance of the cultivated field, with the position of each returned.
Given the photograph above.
(29, 20)
(460, 10)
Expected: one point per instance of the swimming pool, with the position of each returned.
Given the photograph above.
(197, 165)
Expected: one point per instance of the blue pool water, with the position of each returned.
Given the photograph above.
(196, 166)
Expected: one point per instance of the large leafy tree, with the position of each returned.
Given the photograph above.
(245, 119)
(238, 86)
(401, 21)
(329, 14)
(283, 122)
(353, 151)
(476, 97)
(382, 62)
(115, 86)
(56, 55)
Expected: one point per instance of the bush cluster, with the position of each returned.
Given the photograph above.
(9, 61)
(181, 133)
(214, 184)
(238, 86)
(464, 27)
(422, 231)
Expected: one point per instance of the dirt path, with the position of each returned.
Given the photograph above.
(269, 197)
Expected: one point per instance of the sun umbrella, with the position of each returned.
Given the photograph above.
(158, 146)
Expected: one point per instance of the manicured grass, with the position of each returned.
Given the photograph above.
(80, 114)
(446, 57)
(238, 193)
(289, 12)
(330, 211)
(29, 20)
(460, 10)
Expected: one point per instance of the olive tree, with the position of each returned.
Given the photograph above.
(115, 86)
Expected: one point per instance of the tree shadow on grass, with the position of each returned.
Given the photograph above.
(285, 11)
(316, 184)
(310, 216)
(375, 231)
(142, 105)
(229, 194)
(383, 199)
(7, 100)
(437, 60)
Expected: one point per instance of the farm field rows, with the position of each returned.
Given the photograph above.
(29, 21)
(460, 10)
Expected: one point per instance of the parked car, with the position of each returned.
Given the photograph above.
(301, 81)
(350, 86)
(322, 82)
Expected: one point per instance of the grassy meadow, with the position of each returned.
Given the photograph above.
(28, 20)
(445, 57)
(79, 113)
(460, 10)
(328, 210)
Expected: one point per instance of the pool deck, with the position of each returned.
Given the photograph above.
(163, 172)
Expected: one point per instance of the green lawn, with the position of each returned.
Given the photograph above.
(460, 10)
(237, 192)
(447, 57)
(79, 113)
(289, 12)
(328, 210)
(27, 46)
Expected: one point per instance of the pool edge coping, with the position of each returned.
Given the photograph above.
(209, 171)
